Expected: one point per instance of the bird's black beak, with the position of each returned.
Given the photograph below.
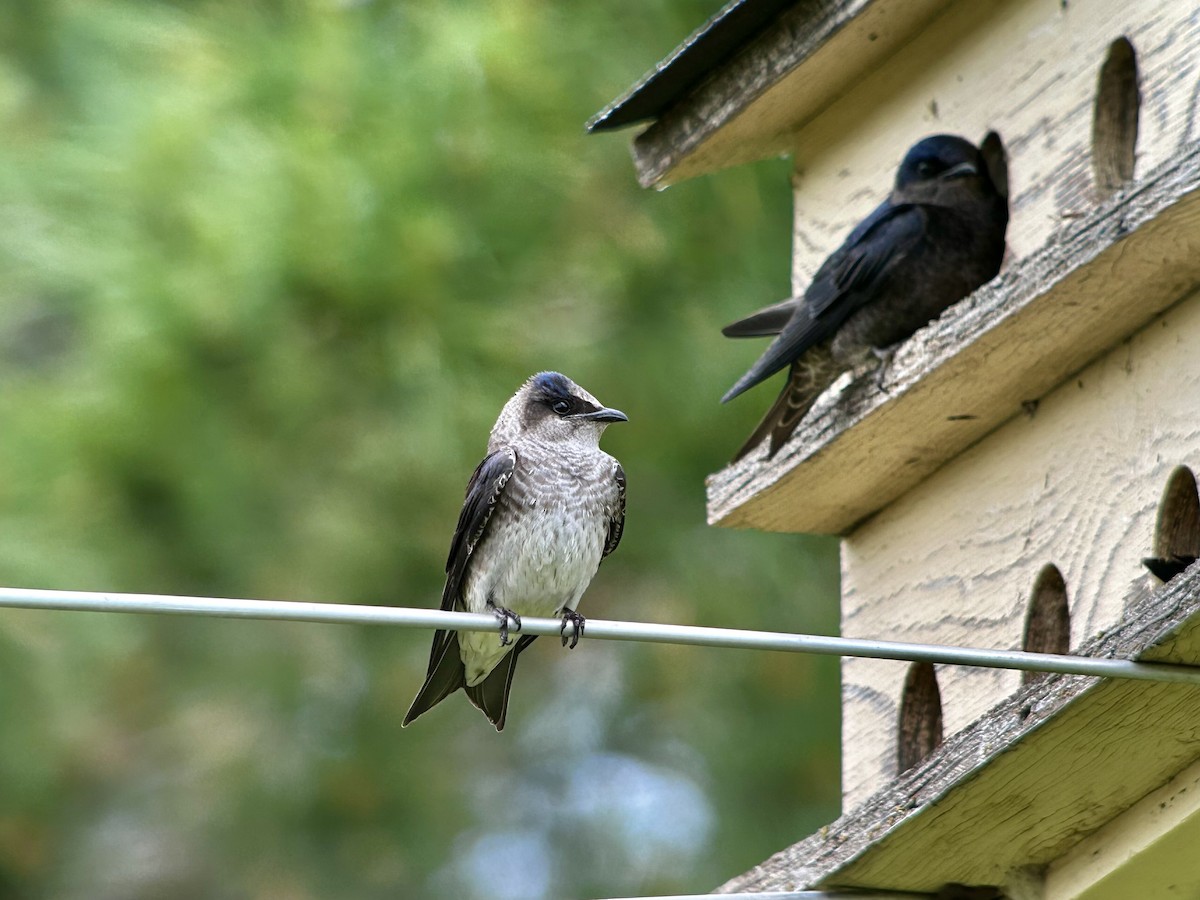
(604, 414)
(962, 170)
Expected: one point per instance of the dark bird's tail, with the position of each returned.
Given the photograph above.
(447, 674)
(767, 322)
(808, 378)
(795, 340)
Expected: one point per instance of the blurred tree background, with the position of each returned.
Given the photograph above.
(268, 271)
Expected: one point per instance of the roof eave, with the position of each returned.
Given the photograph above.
(750, 107)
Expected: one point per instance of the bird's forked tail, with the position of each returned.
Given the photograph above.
(808, 378)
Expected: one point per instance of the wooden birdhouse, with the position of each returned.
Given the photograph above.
(1001, 482)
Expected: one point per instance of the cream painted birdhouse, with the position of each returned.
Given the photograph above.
(1000, 483)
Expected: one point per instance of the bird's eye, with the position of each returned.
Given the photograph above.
(562, 407)
(925, 169)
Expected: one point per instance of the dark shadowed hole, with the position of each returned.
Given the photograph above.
(1048, 622)
(996, 160)
(920, 716)
(1177, 534)
(1115, 118)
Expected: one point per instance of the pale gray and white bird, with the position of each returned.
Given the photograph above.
(542, 510)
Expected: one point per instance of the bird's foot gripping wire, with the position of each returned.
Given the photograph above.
(509, 621)
(575, 622)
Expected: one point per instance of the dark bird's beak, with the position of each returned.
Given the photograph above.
(962, 170)
(604, 414)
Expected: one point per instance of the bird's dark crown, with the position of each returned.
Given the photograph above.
(547, 387)
(556, 392)
(931, 156)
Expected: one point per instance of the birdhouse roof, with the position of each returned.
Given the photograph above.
(737, 87)
(706, 48)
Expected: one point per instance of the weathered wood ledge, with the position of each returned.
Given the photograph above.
(1100, 279)
(1027, 781)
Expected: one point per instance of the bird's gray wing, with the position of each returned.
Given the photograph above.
(616, 523)
(846, 281)
(483, 491)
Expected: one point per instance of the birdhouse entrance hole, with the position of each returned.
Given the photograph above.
(920, 716)
(1115, 118)
(1177, 534)
(1048, 622)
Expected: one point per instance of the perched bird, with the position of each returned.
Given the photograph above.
(1177, 530)
(541, 511)
(1164, 568)
(935, 239)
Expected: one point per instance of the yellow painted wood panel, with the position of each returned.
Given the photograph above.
(1148, 852)
(953, 561)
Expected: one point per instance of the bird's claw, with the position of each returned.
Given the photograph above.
(883, 365)
(576, 623)
(509, 621)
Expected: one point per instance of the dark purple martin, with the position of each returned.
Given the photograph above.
(542, 510)
(937, 237)
(1164, 568)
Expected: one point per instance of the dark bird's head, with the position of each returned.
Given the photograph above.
(942, 169)
(551, 407)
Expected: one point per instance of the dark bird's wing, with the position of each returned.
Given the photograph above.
(616, 524)
(445, 673)
(850, 278)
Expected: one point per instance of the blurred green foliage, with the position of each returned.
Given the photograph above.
(268, 272)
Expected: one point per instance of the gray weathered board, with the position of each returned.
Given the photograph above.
(1028, 780)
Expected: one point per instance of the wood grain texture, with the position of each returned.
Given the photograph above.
(740, 114)
(954, 560)
(1027, 781)
(959, 378)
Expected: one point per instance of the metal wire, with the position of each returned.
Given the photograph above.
(336, 613)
